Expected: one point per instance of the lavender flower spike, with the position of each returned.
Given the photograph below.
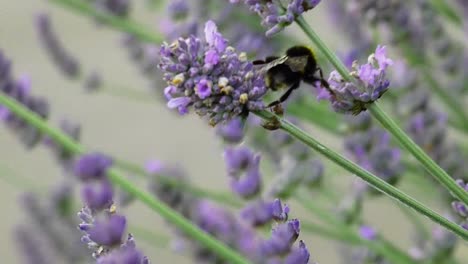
(369, 84)
(210, 77)
(272, 14)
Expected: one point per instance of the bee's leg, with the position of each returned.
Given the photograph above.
(286, 95)
(322, 80)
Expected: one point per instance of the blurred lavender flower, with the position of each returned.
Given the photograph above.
(92, 166)
(93, 82)
(367, 232)
(428, 128)
(115, 7)
(55, 228)
(237, 232)
(348, 97)
(371, 149)
(20, 91)
(210, 77)
(348, 21)
(176, 198)
(260, 212)
(460, 208)
(178, 9)
(30, 247)
(438, 247)
(243, 168)
(231, 132)
(64, 61)
(274, 16)
(64, 157)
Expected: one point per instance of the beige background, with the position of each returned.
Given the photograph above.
(128, 129)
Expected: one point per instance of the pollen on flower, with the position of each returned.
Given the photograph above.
(178, 79)
(243, 98)
(112, 209)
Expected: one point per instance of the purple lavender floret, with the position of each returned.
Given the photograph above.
(274, 17)
(369, 84)
(210, 77)
(65, 62)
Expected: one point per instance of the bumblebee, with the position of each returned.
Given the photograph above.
(287, 72)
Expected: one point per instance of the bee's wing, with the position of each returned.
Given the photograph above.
(263, 67)
(297, 64)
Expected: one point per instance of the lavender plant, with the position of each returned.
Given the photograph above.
(200, 59)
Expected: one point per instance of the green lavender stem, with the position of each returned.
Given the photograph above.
(387, 122)
(122, 24)
(444, 8)
(370, 178)
(166, 212)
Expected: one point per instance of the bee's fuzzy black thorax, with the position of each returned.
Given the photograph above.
(298, 51)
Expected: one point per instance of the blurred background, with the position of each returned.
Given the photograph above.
(132, 130)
